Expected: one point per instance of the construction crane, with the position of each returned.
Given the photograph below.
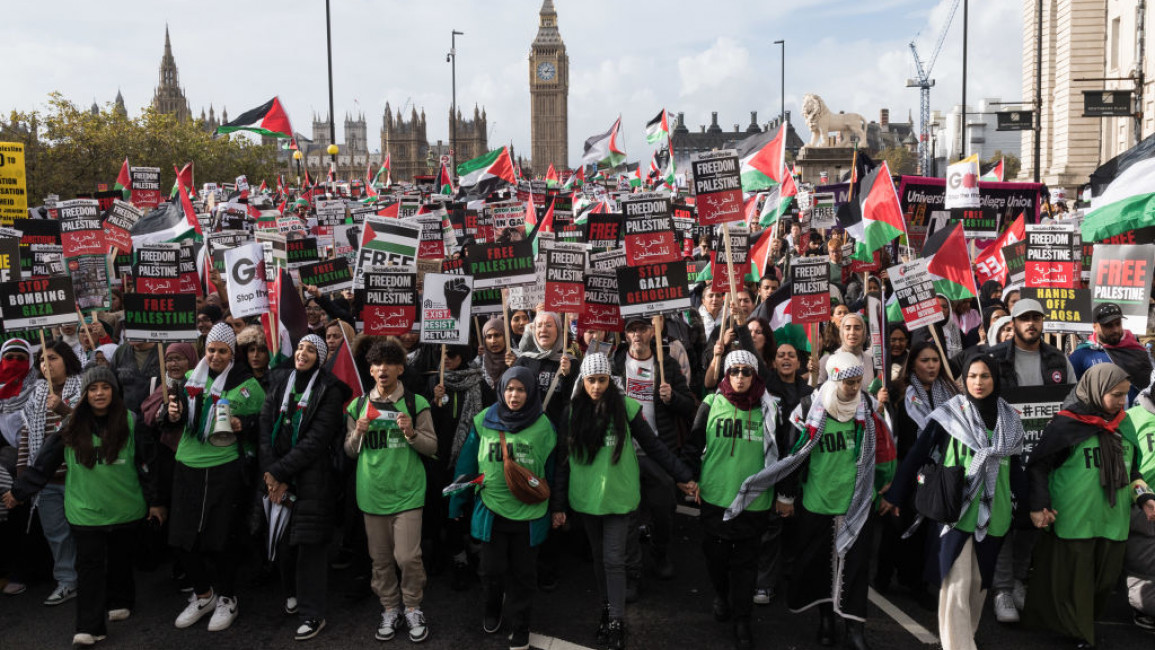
(924, 83)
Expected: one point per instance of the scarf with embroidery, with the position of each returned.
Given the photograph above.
(919, 405)
(199, 421)
(302, 404)
(467, 382)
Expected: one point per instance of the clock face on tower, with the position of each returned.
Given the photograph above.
(546, 71)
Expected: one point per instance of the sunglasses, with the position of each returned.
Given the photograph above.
(745, 371)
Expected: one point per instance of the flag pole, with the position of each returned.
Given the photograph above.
(505, 314)
(657, 321)
(814, 347)
(163, 373)
(938, 344)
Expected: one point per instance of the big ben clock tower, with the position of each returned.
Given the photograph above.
(549, 93)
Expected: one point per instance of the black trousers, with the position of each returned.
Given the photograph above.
(660, 501)
(305, 575)
(509, 569)
(208, 570)
(821, 576)
(770, 554)
(733, 568)
(104, 574)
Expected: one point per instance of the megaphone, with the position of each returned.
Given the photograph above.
(222, 435)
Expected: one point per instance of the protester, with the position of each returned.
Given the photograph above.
(519, 320)
(253, 349)
(852, 333)
(136, 365)
(542, 354)
(1084, 476)
(1111, 343)
(496, 356)
(1139, 562)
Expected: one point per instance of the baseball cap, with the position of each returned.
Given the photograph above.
(636, 319)
(1107, 312)
(1027, 306)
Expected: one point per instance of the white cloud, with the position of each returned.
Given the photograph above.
(724, 63)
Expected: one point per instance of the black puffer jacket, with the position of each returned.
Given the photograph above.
(307, 466)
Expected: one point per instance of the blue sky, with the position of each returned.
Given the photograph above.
(694, 57)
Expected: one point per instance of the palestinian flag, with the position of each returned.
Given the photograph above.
(603, 149)
(461, 483)
(551, 178)
(576, 179)
(267, 119)
(292, 324)
(950, 264)
(658, 128)
(990, 264)
(669, 176)
(184, 176)
(384, 170)
(124, 181)
(444, 181)
(776, 205)
(487, 173)
(1127, 202)
(776, 310)
(763, 162)
(759, 255)
(994, 173)
(882, 218)
(186, 206)
(345, 369)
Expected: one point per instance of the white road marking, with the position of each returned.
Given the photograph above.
(550, 643)
(909, 624)
(687, 510)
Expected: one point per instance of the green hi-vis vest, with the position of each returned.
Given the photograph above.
(390, 474)
(959, 454)
(603, 487)
(1083, 511)
(735, 450)
(829, 484)
(105, 494)
(1140, 424)
(246, 398)
(531, 448)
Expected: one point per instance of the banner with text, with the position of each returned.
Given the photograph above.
(717, 186)
(445, 308)
(166, 318)
(1122, 275)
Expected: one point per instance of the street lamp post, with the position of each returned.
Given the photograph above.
(452, 59)
(297, 155)
(782, 115)
(332, 128)
(966, 6)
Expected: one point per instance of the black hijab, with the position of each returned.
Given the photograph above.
(985, 299)
(987, 407)
(503, 418)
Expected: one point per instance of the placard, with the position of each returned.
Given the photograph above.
(1068, 311)
(31, 304)
(1054, 255)
(10, 258)
(157, 269)
(431, 241)
(190, 278)
(823, 211)
(653, 289)
(717, 186)
(529, 296)
(328, 275)
(301, 251)
(962, 184)
(149, 317)
(649, 230)
(1015, 255)
(247, 287)
(90, 281)
(601, 311)
(810, 289)
(914, 290)
(501, 265)
(13, 183)
(118, 223)
(1036, 406)
(445, 308)
(564, 285)
(330, 212)
(145, 187)
(1122, 275)
(978, 223)
(388, 301)
(81, 232)
(276, 255)
(719, 266)
(508, 218)
(387, 242)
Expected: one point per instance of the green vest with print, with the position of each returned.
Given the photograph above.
(531, 448)
(829, 484)
(390, 474)
(735, 450)
(1082, 506)
(603, 487)
(1140, 425)
(105, 494)
(246, 398)
(958, 454)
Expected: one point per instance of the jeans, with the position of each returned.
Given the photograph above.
(104, 567)
(607, 535)
(1014, 561)
(58, 533)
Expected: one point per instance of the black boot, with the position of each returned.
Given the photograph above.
(722, 611)
(604, 624)
(826, 633)
(856, 635)
(743, 639)
(616, 635)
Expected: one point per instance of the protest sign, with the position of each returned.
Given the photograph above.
(532, 295)
(508, 220)
(601, 297)
(41, 254)
(922, 204)
(723, 268)
(990, 264)
(1054, 254)
(1015, 256)
(30, 304)
(914, 290)
(81, 232)
(149, 317)
(431, 240)
(276, 254)
(330, 212)
(118, 223)
(190, 278)
(823, 211)
(962, 184)
(978, 223)
(1036, 406)
(90, 281)
(13, 184)
(388, 301)
(810, 289)
(388, 242)
(486, 301)
(445, 308)
(1122, 275)
(157, 269)
(1067, 310)
(145, 187)
(248, 290)
(501, 265)
(649, 230)
(607, 260)
(301, 251)
(652, 289)
(10, 255)
(327, 275)
(564, 286)
(717, 186)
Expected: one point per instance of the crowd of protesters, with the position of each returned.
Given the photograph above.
(806, 459)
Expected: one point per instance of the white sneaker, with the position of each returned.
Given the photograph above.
(85, 639)
(196, 610)
(291, 605)
(1019, 593)
(62, 594)
(224, 615)
(121, 614)
(389, 621)
(415, 621)
(1005, 611)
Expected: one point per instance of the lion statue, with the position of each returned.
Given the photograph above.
(822, 121)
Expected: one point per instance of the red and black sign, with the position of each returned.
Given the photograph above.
(1122, 275)
(601, 311)
(604, 229)
(329, 275)
(722, 268)
(653, 289)
(41, 254)
(118, 223)
(649, 230)
(1015, 256)
(157, 269)
(151, 317)
(81, 231)
(453, 265)
(501, 265)
(810, 290)
(302, 251)
(389, 303)
(565, 265)
(145, 187)
(29, 304)
(1054, 256)
(717, 187)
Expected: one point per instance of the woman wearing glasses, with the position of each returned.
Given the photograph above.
(732, 439)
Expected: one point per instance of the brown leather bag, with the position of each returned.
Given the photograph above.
(524, 486)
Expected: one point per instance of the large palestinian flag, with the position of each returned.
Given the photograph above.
(603, 149)
(763, 162)
(881, 211)
(950, 264)
(487, 173)
(658, 129)
(267, 119)
(1127, 201)
(776, 310)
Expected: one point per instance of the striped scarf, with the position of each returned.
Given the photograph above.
(919, 405)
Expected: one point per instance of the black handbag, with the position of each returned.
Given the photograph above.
(939, 494)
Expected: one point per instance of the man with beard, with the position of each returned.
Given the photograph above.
(1026, 360)
(1111, 343)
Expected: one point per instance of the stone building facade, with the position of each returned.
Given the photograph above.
(549, 94)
